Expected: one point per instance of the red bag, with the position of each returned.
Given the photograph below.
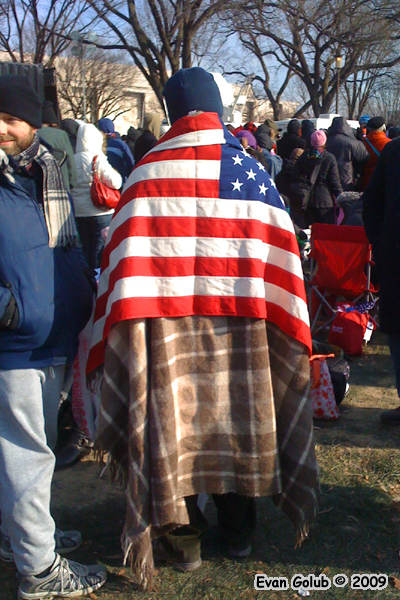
(101, 195)
(348, 329)
(322, 394)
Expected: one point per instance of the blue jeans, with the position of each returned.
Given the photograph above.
(394, 346)
(89, 229)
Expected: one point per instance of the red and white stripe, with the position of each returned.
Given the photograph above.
(172, 253)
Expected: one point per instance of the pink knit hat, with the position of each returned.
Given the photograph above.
(318, 139)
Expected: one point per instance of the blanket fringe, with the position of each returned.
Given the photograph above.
(301, 534)
(110, 468)
(303, 528)
(141, 563)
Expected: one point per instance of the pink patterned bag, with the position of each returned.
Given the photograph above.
(322, 395)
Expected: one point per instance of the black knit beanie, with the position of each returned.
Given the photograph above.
(19, 99)
(189, 90)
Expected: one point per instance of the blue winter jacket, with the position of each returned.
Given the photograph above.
(53, 295)
(118, 152)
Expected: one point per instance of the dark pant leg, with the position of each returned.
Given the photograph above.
(83, 226)
(394, 346)
(236, 518)
(98, 223)
(89, 229)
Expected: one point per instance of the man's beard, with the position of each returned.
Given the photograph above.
(18, 145)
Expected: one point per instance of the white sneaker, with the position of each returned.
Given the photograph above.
(67, 579)
(66, 542)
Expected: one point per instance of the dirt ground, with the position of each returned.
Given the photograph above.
(357, 526)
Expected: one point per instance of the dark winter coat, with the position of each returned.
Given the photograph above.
(350, 153)
(288, 143)
(131, 137)
(381, 213)
(53, 296)
(327, 185)
(70, 126)
(118, 153)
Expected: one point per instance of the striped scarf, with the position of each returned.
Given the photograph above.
(57, 205)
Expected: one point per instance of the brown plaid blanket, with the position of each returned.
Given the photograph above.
(205, 404)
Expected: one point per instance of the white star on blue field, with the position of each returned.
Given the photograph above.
(243, 177)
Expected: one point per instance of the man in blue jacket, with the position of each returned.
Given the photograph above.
(45, 301)
(118, 152)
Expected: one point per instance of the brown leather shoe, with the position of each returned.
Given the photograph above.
(182, 550)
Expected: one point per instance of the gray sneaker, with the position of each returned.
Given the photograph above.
(66, 542)
(67, 579)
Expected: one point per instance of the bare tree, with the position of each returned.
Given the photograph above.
(158, 34)
(358, 89)
(38, 31)
(306, 36)
(385, 99)
(108, 84)
(253, 44)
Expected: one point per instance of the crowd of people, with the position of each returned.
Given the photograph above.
(343, 160)
(199, 316)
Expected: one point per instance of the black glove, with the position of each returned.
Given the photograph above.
(10, 318)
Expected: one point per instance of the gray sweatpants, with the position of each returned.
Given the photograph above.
(29, 400)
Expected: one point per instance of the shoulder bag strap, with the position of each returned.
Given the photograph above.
(315, 173)
(373, 147)
(94, 164)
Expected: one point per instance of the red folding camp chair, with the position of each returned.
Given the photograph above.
(340, 267)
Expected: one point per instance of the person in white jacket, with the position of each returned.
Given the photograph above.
(90, 219)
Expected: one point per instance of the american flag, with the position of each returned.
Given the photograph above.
(200, 230)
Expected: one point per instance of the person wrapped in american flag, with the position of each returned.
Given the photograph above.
(202, 337)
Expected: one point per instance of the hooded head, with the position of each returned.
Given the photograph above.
(192, 90)
(89, 139)
(271, 124)
(294, 126)
(106, 126)
(249, 137)
(263, 139)
(19, 99)
(393, 132)
(307, 127)
(340, 126)
(152, 123)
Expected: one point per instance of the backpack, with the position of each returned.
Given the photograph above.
(301, 189)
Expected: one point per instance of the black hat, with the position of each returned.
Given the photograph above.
(375, 123)
(190, 90)
(48, 115)
(19, 99)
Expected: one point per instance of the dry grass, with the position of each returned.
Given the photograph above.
(357, 530)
